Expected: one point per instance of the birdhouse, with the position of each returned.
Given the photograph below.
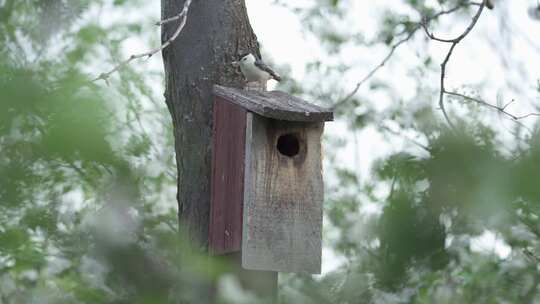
(267, 186)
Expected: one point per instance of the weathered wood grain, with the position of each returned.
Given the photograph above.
(227, 186)
(283, 198)
(275, 104)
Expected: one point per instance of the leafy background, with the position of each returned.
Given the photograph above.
(87, 181)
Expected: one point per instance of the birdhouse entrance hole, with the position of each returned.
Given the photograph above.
(288, 144)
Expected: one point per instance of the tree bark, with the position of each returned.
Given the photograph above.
(216, 33)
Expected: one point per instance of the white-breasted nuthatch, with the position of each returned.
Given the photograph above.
(255, 70)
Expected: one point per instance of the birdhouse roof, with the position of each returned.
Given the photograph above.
(275, 104)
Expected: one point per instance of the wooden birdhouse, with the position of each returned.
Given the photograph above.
(267, 187)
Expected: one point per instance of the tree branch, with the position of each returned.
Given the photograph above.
(379, 66)
(411, 140)
(495, 107)
(454, 42)
(173, 18)
(182, 15)
(443, 90)
(398, 44)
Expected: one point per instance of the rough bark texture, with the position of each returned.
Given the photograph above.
(216, 33)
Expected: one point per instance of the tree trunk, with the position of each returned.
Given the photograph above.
(216, 33)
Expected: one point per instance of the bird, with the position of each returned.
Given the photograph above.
(490, 4)
(255, 70)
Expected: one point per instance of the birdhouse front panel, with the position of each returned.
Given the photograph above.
(283, 195)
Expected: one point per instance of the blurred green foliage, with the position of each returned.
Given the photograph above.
(87, 189)
(82, 183)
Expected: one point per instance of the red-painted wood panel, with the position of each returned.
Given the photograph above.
(225, 233)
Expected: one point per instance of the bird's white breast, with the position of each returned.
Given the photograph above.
(253, 73)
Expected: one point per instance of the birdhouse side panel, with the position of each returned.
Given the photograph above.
(227, 184)
(283, 196)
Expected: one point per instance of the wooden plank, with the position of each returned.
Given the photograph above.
(283, 197)
(227, 186)
(275, 104)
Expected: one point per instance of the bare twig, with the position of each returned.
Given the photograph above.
(463, 35)
(171, 19)
(411, 140)
(506, 105)
(398, 44)
(379, 66)
(182, 15)
(454, 42)
(443, 90)
(495, 107)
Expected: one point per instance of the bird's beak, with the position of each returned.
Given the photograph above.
(235, 63)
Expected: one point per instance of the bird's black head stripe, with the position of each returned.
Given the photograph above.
(243, 55)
